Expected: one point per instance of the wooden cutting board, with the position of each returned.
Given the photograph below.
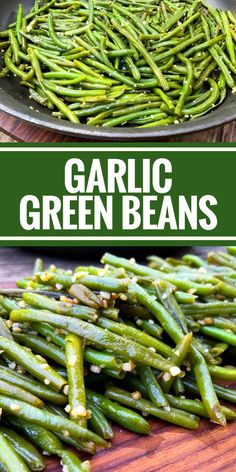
(168, 448)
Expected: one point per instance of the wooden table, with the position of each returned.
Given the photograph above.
(167, 448)
(23, 132)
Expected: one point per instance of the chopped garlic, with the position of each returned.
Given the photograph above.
(136, 395)
(128, 366)
(174, 371)
(80, 410)
(72, 360)
(95, 369)
(47, 382)
(15, 407)
(66, 390)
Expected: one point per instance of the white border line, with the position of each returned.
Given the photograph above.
(118, 238)
(116, 149)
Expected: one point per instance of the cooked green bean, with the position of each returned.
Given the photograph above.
(26, 451)
(13, 391)
(72, 463)
(102, 326)
(36, 366)
(63, 308)
(155, 392)
(102, 337)
(41, 346)
(48, 420)
(74, 347)
(172, 415)
(32, 386)
(105, 284)
(225, 393)
(217, 333)
(10, 459)
(123, 416)
(98, 422)
(126, 48)
(177, 357)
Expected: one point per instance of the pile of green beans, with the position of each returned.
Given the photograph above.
(124, 63)
(114, 342)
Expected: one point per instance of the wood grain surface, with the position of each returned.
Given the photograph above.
(168, 448)
(23, 132)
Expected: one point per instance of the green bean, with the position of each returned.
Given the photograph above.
(8, 304)
(19, 23)
(164, 291)
(164, 318)
(31, 363)
(138, 45)
(142, 338)
(102, 338)
(206, 388)
(217, 333)
(92, 356)
(123, 416)
(227, 394)
(48, 420)
(13, 391)
(58, 42)
(177, 357)
(74, 363)
(187, 86)
(9, 458)
(222, 373)
(150, 327)
(98, 422)
(175, 18)
(31, 385)
(214, 308)
(15, 46)
(219, 349)
(110, 72)
(209, 103)
(46, 440)
(4, 330)
(154, 390)
(196, 407)
(232, 250)
(59, 103)
(222, 323)
(73, 463)
(26, 451)
(217, 58)
(85, 295)
(172, 415)
(88, 447)
(170, 326)
(41, 346)
(38, 266)
(106, 284)
(178, 387)
(11, 66)
(129, 117)
(138, 269)
(229, 41)
(183, 297)
(164, 97)
(63, 308)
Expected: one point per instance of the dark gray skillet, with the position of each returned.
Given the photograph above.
(14, 100)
